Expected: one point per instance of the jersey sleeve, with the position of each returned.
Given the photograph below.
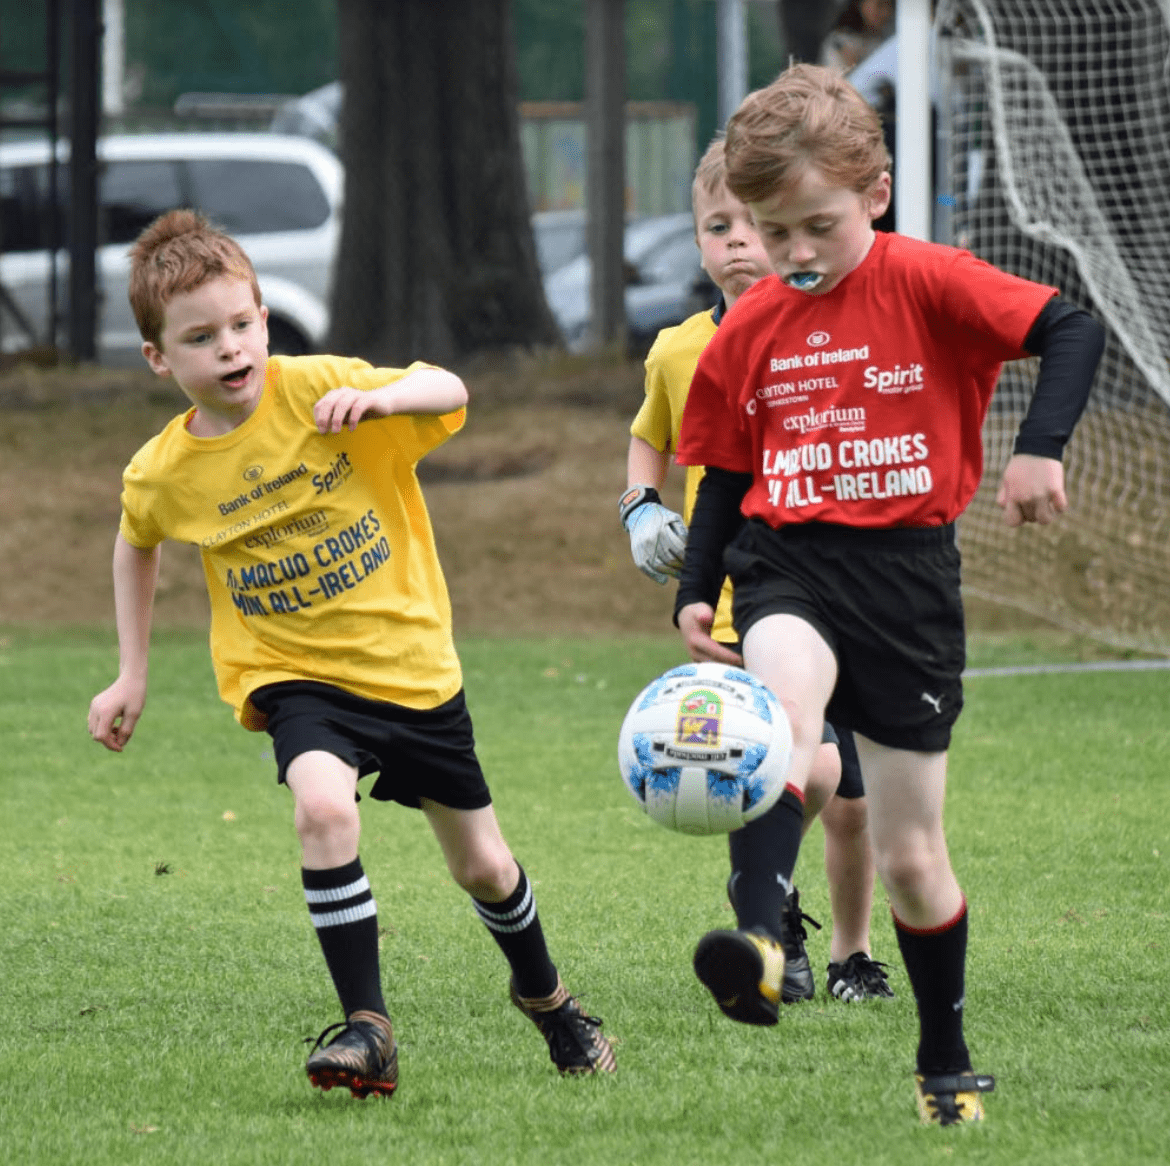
(138, 526)
(653, 421)
(993, 308)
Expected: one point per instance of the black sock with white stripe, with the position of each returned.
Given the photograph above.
(515, 926)
(342, 908)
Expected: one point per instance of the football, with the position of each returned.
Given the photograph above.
(705, 749)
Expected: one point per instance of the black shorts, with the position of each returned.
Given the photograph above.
(416, 753)
(850, 786)
(888, 604)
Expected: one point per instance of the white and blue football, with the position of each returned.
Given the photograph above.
(705, 749)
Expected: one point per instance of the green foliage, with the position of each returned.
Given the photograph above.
(160, 971)
(264, 46)
(290, 46)
(550, 49)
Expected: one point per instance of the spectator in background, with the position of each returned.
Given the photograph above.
(859, 30)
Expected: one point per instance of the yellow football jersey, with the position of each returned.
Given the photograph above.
(670, 365)
(317, 549)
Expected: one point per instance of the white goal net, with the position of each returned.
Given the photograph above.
(1053, 161)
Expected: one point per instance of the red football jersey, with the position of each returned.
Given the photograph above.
(864, 406)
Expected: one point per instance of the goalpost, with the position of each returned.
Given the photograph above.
(1053, 161)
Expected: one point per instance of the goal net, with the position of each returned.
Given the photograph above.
(1053, 161)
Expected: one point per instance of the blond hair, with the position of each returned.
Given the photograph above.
(808, 116)
(711, 172)
(179, 252)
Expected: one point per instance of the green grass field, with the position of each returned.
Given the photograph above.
(159, 972)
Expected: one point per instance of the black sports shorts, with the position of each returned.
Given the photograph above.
(415, 752)
(888, 604)
(850, 786)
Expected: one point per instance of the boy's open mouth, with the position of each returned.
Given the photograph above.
(237, 377)
(803, 280)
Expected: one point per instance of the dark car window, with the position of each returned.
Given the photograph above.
(24, 207)
(247, 197)
(134, 194)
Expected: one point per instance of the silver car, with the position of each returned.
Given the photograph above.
(279, 196)
(665, 282)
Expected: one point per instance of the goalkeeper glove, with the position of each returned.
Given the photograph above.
(658, 536)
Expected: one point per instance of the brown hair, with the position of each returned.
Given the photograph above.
(179, 252)
(808, 116)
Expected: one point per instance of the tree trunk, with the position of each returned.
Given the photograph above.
(437, 259)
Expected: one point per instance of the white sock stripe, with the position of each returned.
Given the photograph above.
(505, 916)
(337, 894)
(496, 922)
(346, 915)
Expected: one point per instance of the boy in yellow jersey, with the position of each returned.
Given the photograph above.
(734, 258)
(330, 621)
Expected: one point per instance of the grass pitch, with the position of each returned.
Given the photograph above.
(160, 973)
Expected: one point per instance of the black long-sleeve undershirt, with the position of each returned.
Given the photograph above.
(1069, 343)
(715, 521)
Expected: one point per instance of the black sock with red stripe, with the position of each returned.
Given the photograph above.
(935, 962)
(763, 857)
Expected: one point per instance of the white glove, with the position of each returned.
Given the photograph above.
(658, 536)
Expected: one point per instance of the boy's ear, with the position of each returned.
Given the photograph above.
(879, 195)
(156, 360)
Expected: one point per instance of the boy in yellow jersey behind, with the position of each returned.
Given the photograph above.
(734, 258)
(330, 620)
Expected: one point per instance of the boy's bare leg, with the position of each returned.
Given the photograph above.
(905, 791)
(790, 657)
(853, 974)
(474, 849)
(325, 810)
(482, 864)
(849, 869)
(363, 1055)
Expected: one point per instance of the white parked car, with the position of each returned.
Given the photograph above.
(279, 196)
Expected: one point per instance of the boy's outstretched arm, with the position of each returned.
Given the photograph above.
(425, 390)
(114, 712)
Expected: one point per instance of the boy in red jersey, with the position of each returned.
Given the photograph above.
(838, 411)
(330, 621)
(734, 258)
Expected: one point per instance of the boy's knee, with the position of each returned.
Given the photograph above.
(910, 868)
(825, 774)
(845, 817)
(324, 814)
(487, 874)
